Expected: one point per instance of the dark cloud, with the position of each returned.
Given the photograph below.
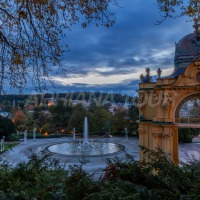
(127, 87)
(134, 34)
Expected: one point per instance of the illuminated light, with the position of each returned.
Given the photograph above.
(45, 133)
(51, 104)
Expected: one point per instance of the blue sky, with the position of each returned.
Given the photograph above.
(112, 59)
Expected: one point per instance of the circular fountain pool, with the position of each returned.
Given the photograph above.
(93, 148)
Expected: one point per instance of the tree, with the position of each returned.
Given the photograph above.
(7, 127)
(98, 119)
(19, 119)
(41, 117)
(77, 118)
(133, 114)
(32, 34)
(194, 111)
(186, 135)
(180, 8)
(60, 115)
(120, 120)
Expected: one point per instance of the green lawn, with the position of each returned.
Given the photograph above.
(10, 145)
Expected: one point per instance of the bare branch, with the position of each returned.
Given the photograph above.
(31, 34)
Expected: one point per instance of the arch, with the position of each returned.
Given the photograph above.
(159, 125)
(183, 100)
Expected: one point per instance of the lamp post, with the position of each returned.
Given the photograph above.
(126, 134)
(2, 145)
(74, 134)
(34, 133)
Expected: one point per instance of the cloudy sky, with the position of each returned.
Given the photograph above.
(112, 59)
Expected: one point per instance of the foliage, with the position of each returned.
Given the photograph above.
(14, 137)
(33, 180)
(77, 118)
(63, 116)
(40, 118)
(60, 114)
(29, 123)
(32, 35)
(10, 145)
(19, 118)
(30, 136)
(194, 111)
(44, 178)
(120, 120)
(79, 184)
(46, 128)
(186, 135)
(180, 8)
(7, 127)
(98, 118)
(158, 179)
(133, 115)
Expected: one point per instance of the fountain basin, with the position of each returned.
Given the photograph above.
(78, 148)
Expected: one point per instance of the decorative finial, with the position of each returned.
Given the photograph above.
(147, 71)
(142, 77)
(159, 72)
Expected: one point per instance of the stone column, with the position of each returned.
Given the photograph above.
(167, 140)
(175, 146)
(141, 141)
(156, 136)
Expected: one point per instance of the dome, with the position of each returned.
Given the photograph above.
(187, 49)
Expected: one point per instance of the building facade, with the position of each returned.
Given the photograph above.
(159, 102)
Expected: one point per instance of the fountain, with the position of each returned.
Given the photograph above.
(85, 147)
(34, 133)
(74, 134)
(126, 134)
(25, 136)
(85, 132)
(2, 145)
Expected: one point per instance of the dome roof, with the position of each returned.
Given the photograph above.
(187, 49)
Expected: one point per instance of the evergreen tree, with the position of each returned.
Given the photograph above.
(7, 127)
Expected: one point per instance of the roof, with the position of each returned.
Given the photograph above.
(187, 49)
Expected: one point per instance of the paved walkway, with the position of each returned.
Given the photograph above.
(95, 164)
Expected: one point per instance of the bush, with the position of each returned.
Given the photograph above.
(186, 135)
(44, 178)
(159, 179)
(39, 136)
(7, 127)
(14, 137)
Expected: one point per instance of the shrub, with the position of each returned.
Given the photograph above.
(185, 135)
(6, 127)
(158, 179)
(44, 178)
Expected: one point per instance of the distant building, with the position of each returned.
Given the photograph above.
(5, 114)
(51, 101)
(1, 106)
(30, 107)
(84, 103)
